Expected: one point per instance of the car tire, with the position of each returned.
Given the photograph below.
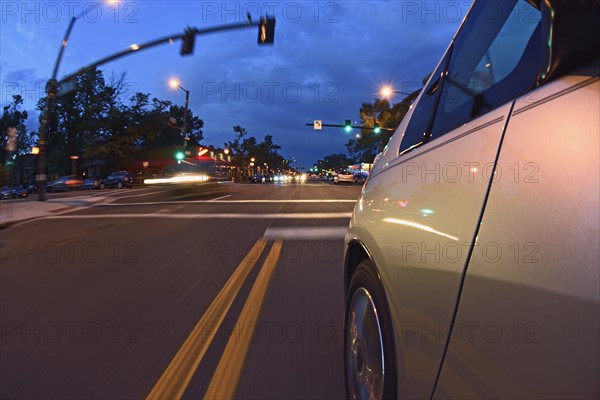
(119, 185)
(369, 355)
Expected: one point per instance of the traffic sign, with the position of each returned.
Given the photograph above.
(318, 125)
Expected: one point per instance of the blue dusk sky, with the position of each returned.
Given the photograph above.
(328, 58)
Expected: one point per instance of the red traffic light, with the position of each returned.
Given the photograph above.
(266, 31)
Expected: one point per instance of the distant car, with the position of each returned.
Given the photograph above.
(344, 177)
(19, 192)
(5, 193)
(90, 183)
(360, 178)
(32, 189)
(119, 180)
(64, 183)
(258, 178)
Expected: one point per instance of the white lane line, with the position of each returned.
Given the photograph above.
(139, 195)
(222, 197)
(116, 192)
(306, 233)
(153, 203)
(209, 216)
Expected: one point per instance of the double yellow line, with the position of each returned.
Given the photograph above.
(177, 376)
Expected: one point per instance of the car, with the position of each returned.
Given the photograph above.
(5, 193)
(64, 183)
(32, 189)
(344, 177)
(471, 257)
(257, 178)
(19, 192)
(90, 183)
(118, 179)
(361, 178)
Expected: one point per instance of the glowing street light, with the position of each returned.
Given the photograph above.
(386, 91)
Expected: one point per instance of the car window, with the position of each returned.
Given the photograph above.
(496, 58)
(418, 128)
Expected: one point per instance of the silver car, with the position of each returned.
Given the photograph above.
(471, 259)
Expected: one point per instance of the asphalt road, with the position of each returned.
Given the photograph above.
(220, 291)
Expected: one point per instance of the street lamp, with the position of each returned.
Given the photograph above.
(387, 91)
(174, 83)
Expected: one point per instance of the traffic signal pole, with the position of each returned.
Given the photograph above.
(266, 27)
(352, 126)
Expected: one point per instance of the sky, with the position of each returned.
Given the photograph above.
(328, 58)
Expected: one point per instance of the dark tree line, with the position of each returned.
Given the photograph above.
(244, 147)
(96, 123)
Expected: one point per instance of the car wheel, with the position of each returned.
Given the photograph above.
(369, 356)
(120, 185)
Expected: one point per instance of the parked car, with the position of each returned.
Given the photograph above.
(471, 258)
(258, 178)
(90, 183)
(5, 193)
(360, 178)
(19, 192)
(64, 183)
(32, 189)
(344, 177)
(119, 179)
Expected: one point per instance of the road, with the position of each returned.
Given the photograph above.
(229, 291)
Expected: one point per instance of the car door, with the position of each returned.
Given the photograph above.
(528, 323)
(421, 206)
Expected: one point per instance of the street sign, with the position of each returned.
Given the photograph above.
(318, 125)
(66, 87)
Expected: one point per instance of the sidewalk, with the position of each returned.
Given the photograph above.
(15, 211)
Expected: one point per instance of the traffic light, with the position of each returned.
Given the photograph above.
(348, 126)
(266, 30)
(187, 45)
(179, 155)
(376, 129)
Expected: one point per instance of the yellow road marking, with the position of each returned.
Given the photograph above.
(177, 376)
(224, 381)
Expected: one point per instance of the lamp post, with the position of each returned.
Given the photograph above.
(174, 83)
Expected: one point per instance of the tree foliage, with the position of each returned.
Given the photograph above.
(369, 144)
(334, 162)
(245, 147)
(94, 123)
(13, 116)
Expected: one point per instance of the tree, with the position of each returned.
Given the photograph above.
(92, 122)
(243, 148)
(334, 162)
(369, 144)
(13, 117)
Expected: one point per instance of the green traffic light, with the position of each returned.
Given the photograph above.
(377, 129)
(348, 126)
(179, 155)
